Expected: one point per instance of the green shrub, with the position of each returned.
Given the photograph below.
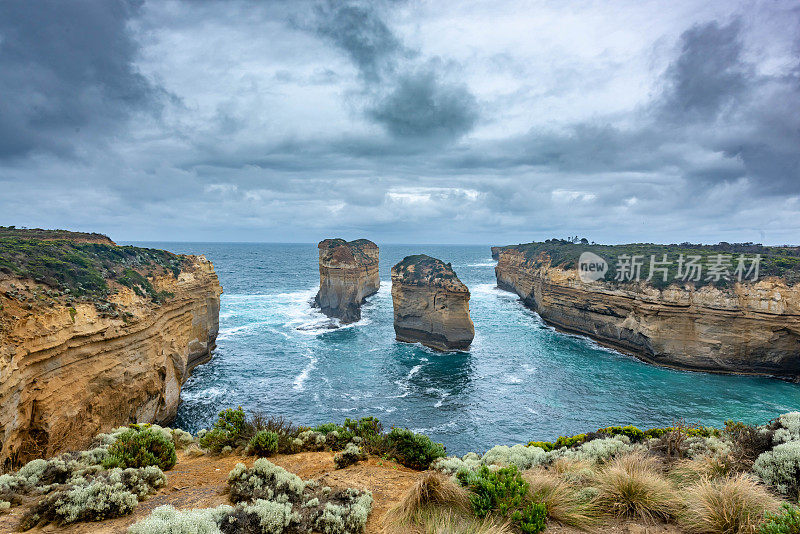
(215, 439)
(546, 446)
(264, 480)
(519, 455)
(416, 451)
(140, 448)
(787, 521)
(531, 519)
(263, 443)
(780, 468)
(112, 493)
(364, 428)
(633, 433)
(351, 454)
(346, 513)
(233, 421)
(231, 429)
(502, 491)
(166, 520)
(569, 441)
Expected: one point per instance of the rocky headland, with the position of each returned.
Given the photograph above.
(750, 327)
(431, 305)
(348, 274)
(93, 336)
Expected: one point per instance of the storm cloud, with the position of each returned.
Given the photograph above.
(66, 67)
(402, 121)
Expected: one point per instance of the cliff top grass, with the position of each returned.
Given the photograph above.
(86, 270)
(339, 250)
(51, 235)
(423, 270)
(779, 261)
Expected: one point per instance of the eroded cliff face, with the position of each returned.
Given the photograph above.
(69, 371)
(431, 305)
(348, 274)
(749, 328)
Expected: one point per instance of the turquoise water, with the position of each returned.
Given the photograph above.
(521, 380)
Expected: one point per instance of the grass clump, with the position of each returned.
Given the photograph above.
(416, 451)
(632, 487)
(734, 505)
(786, 521)
(431, 490)
(141, 447)
(563, 500)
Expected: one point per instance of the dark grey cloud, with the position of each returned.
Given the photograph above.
(410, 99)
(420, 105)
(359, 30)
(67, 71)
(708, 73)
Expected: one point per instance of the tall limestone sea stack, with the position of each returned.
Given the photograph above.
(431, 305)
(348, 274)
(94, 336)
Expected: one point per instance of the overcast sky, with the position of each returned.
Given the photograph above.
(421, 121)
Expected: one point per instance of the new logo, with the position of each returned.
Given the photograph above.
(591, 267)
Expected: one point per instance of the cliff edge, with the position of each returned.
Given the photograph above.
(348, 274)
(94, 336)
(431, 305)
(750, 327)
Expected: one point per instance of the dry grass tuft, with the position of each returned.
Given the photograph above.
(432, 490)
(632, 486)
(561, 498)
(438, 520)
(574, 471)
(733, 505)
(687, 472)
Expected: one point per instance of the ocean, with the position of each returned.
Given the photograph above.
(520, 381)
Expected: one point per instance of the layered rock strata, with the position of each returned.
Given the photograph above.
(71, 369)
(431, 305)
(348, 274)
(751, 328)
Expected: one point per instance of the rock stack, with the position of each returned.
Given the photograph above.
(348, 274)
(431, 305)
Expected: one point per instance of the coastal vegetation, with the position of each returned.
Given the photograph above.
(737, 479)
(86, 270)
(780, 261)
(423, 269)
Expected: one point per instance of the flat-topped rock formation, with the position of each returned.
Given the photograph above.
(431, 305)
(348, 274)
(750, 327)
(105, 340)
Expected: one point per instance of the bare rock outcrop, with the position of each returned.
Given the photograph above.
(73, 367)
(431, 305)
(751, 328)
(348, 274)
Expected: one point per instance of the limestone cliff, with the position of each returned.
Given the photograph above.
(348, 274)
(71, 367)
(751, 327)
(431, 305)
